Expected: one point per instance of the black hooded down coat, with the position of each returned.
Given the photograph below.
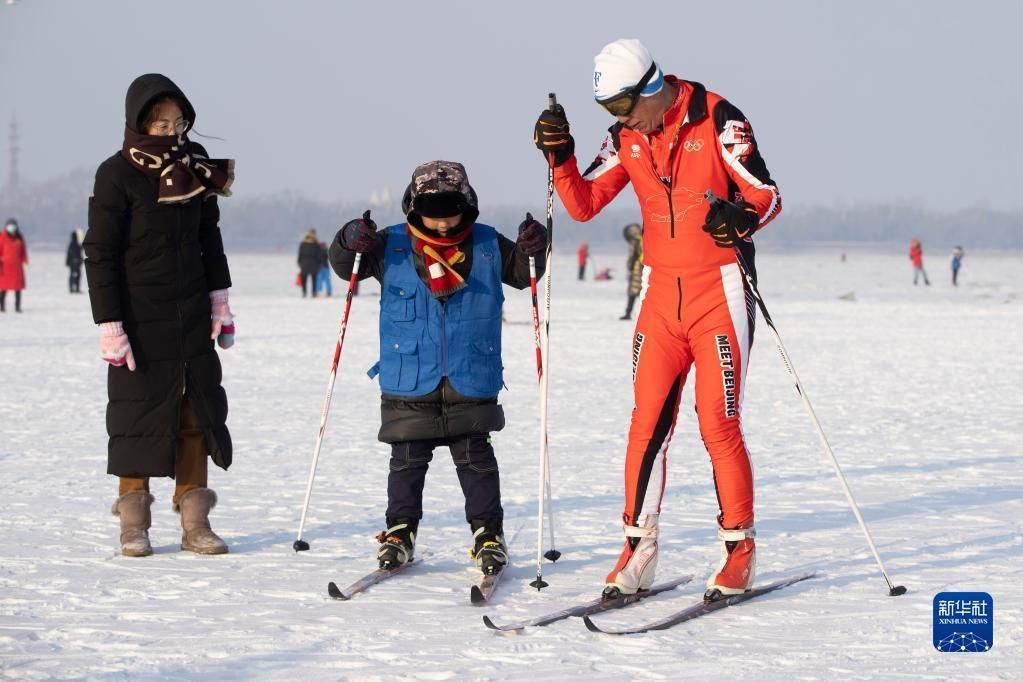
(152, 266)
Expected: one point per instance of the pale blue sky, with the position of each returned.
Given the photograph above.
(853, 102)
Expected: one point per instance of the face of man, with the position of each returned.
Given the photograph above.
(648, 114)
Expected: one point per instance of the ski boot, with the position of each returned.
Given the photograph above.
(738, 564)
(638, 562)
(397, 543)
(489, 549)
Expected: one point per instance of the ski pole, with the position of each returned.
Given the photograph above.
(893, 590)
(301, 545)
(552, 554)
(539, 583)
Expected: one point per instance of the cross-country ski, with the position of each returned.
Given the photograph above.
(367, 581)
(598, 605)
(480, 593)
(701, 608)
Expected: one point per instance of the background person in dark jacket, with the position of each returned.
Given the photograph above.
(633, 234)
(440, 348)
(158, 281)
(74, 264)
(310, 258)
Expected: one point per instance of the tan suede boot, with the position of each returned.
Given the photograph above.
(134, 510)
(194, 507)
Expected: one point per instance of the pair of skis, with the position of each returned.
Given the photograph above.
(600, 605)
(479, 594)
(482, 591)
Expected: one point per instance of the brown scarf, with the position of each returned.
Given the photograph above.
(182, 175)
(439, 255)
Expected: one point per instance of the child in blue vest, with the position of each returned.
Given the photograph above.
(440, 348)
(957, 262)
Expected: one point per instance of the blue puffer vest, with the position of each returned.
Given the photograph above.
(423, 340)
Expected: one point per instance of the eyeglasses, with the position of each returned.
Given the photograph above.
(165, 127)
(624, 102)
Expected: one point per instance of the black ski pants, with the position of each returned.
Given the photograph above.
(477, 474)
(308, 281)
(17, 300)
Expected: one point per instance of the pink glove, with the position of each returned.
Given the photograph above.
(222, 320)
(114, 346)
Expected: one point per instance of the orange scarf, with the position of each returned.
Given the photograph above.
(440, 255)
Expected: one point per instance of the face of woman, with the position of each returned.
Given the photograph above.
(166, 119)
(442, 225)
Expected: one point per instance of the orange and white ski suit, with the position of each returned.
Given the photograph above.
(697, 310)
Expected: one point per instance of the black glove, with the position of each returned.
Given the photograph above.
(532, 239)
(551, 135)
(360, 235)
(728, 223)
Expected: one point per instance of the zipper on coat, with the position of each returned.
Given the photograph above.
(671, 173)
(177, 303)
(671, 209)
(679, 313)
(443, 340)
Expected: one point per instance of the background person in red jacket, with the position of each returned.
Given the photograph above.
(583, 255)
(13, 261)
(674, 140)
(916, 256)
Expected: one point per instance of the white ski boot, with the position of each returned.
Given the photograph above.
(638, 562)
(738, 564)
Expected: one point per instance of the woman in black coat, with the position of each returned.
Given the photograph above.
(310, 261)
(158, 282)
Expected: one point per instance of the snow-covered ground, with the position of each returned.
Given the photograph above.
(918, 389)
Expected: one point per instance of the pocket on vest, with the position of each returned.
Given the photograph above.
(485, 367)
(400, 304)
(399, 365)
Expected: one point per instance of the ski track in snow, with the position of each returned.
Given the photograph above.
(917, 389)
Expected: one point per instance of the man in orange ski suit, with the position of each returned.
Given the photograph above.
(673, 141)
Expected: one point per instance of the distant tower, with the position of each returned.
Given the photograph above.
(12, 173)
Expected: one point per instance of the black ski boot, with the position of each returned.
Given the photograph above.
(489, 549)
(397, 543)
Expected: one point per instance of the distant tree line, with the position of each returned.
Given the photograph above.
(48, 211)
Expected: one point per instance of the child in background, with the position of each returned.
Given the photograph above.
(957, 262)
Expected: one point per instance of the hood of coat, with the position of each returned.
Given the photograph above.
(143, 90)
